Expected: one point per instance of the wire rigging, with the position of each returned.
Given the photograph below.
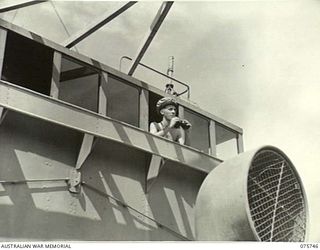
(61, 21)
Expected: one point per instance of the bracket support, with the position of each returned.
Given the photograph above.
(74, 181)
(156, 164)
(3, 113)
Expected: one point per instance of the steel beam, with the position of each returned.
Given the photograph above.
(212, 138)
(55, 80)
(144, 110)
(162, 13)
(240, 146)
(103, 101)
(55, 111)
(21, 5)
(95, 25)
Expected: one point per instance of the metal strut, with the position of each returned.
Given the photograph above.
(34, 180)
(156, 163)
(95, 25)
(73, 181)
(161, 14)
(21, 5)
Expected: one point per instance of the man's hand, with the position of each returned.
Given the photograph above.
(173, 121)
(186, 125)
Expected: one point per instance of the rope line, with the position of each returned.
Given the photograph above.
(61, 21)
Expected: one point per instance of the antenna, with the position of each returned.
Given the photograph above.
(169, 86)
(170, 67)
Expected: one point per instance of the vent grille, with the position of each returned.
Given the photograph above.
(276, 199)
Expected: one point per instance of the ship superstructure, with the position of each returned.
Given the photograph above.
(78, 162)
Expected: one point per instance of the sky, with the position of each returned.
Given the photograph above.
(253, 63)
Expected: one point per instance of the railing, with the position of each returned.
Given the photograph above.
(160, 73)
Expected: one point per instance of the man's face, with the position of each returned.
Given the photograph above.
(169, 112)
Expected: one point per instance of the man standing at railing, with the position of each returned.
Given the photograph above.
(171, 126)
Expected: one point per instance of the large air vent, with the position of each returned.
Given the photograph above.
(257, 195)
(276, 199)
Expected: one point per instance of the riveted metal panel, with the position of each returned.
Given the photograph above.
(171, 199)
(31, 148)
(34, 149)
(116, 169)
(49, 212)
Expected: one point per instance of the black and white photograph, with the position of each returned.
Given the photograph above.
(150, 121)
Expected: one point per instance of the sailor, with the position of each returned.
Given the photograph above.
(171, 126)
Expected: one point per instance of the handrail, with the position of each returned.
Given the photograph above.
(160, 73)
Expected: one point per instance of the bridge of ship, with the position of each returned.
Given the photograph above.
(43, 79)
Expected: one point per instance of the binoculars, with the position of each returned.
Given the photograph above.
(182, 123)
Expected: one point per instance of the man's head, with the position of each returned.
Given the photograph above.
(167, 107)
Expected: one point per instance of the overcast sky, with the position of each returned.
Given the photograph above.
(254, 63)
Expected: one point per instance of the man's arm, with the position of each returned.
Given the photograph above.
(182, 136)
(154, 130)
(164, 131)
